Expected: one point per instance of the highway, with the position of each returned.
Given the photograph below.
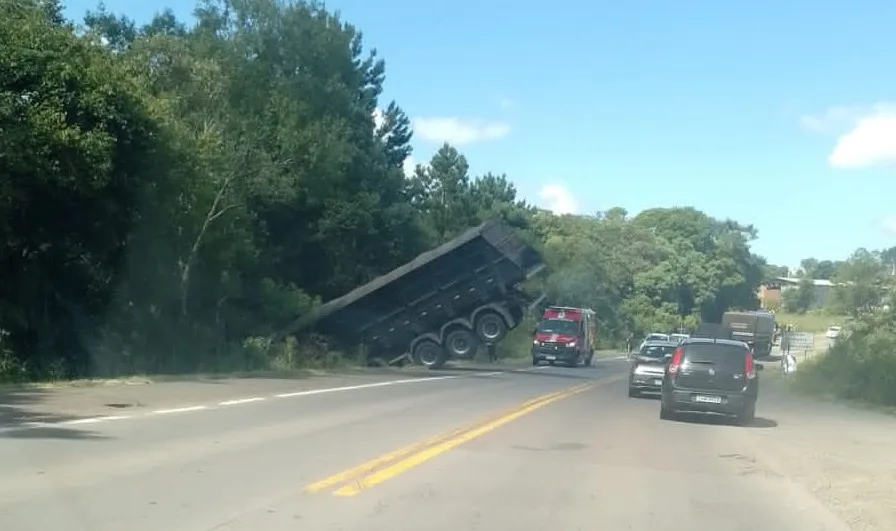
(499, 448)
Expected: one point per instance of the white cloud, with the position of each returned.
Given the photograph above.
(458, 132)
(506, 103)
(866, 135)
(889, 224)
(871, 143)
(378, 118)
(558, 199)
(409, 165)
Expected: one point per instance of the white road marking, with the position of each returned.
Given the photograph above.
(241, 401)
(326, 390)
(94, 420)
(178, 410)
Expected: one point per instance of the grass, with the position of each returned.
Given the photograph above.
(811, 321)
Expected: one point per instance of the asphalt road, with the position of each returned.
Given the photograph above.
(524, 449)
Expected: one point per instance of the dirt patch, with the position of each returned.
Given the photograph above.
(843, 456)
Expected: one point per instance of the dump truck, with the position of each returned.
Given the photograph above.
(755, 328)
(441, 305)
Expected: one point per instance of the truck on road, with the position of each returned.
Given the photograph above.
(439, 306)
(755, 328)
(565, 335)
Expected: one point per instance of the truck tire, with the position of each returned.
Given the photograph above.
(461, 343)
(490, 327)
(429, 353)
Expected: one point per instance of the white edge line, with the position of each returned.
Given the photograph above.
(94, 420)
(241, 401)
(308, 392)
(178, 410)
(325, 390)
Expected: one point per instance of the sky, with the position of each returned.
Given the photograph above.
(777, 114)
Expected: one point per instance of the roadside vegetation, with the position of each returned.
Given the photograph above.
(815, 321)
(861, 365)
(173, 195)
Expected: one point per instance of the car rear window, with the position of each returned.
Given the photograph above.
(656, 351)
(726, 357)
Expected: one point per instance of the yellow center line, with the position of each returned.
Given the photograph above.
(452, 442)
(370, 466)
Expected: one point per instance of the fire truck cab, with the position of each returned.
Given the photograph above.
(565, 335)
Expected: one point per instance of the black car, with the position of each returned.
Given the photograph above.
(649, 366)
(711, 376)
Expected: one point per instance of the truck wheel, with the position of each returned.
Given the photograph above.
(490, 327)
(461, 343)
(429, 354)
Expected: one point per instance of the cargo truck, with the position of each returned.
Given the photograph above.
(439, 306)
(755, 328)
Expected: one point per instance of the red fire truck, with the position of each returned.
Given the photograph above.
(565, 335)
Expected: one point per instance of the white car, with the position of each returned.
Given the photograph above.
(833, 332)
(656, 336)
(678, 337)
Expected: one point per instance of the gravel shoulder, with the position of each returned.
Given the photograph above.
(841, 454)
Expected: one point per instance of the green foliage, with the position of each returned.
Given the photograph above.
(862, 364)
(801, 298)
(172, 194)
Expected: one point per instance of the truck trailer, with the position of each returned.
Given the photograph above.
(441, 305)
(755, 328)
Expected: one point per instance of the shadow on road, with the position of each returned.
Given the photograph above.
(21, 407)
(758, 422)
(51, 432)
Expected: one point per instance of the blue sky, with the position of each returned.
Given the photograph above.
(776, 113)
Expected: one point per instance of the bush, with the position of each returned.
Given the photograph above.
(859, 367)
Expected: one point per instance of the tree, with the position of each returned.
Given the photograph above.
(176, 193)
(801, 298)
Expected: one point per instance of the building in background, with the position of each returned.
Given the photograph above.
(770, 293)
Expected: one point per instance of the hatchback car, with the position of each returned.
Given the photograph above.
(648, 367)
(711, 376)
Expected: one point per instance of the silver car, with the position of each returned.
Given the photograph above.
(648, 367)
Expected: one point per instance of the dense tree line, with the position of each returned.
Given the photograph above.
(171, 195)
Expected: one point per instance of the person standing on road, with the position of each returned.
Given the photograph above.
(786, 359)
(492, 352)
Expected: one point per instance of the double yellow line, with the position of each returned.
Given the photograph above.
(368, 474)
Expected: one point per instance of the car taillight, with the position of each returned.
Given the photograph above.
(749, 369)
(676, 361)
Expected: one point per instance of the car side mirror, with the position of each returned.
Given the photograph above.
(667, 358)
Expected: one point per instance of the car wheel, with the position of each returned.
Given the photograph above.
(746, 417)
(588, 361)
(633, 393)
(534, 362)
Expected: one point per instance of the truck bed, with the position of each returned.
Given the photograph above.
(488, 258)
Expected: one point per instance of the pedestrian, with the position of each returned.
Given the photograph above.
(492, 352)
(785, 343)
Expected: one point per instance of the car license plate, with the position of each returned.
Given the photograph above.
(657, 382)
(708, 399)
(550, 358)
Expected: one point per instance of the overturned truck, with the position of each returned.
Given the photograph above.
(441, 305)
